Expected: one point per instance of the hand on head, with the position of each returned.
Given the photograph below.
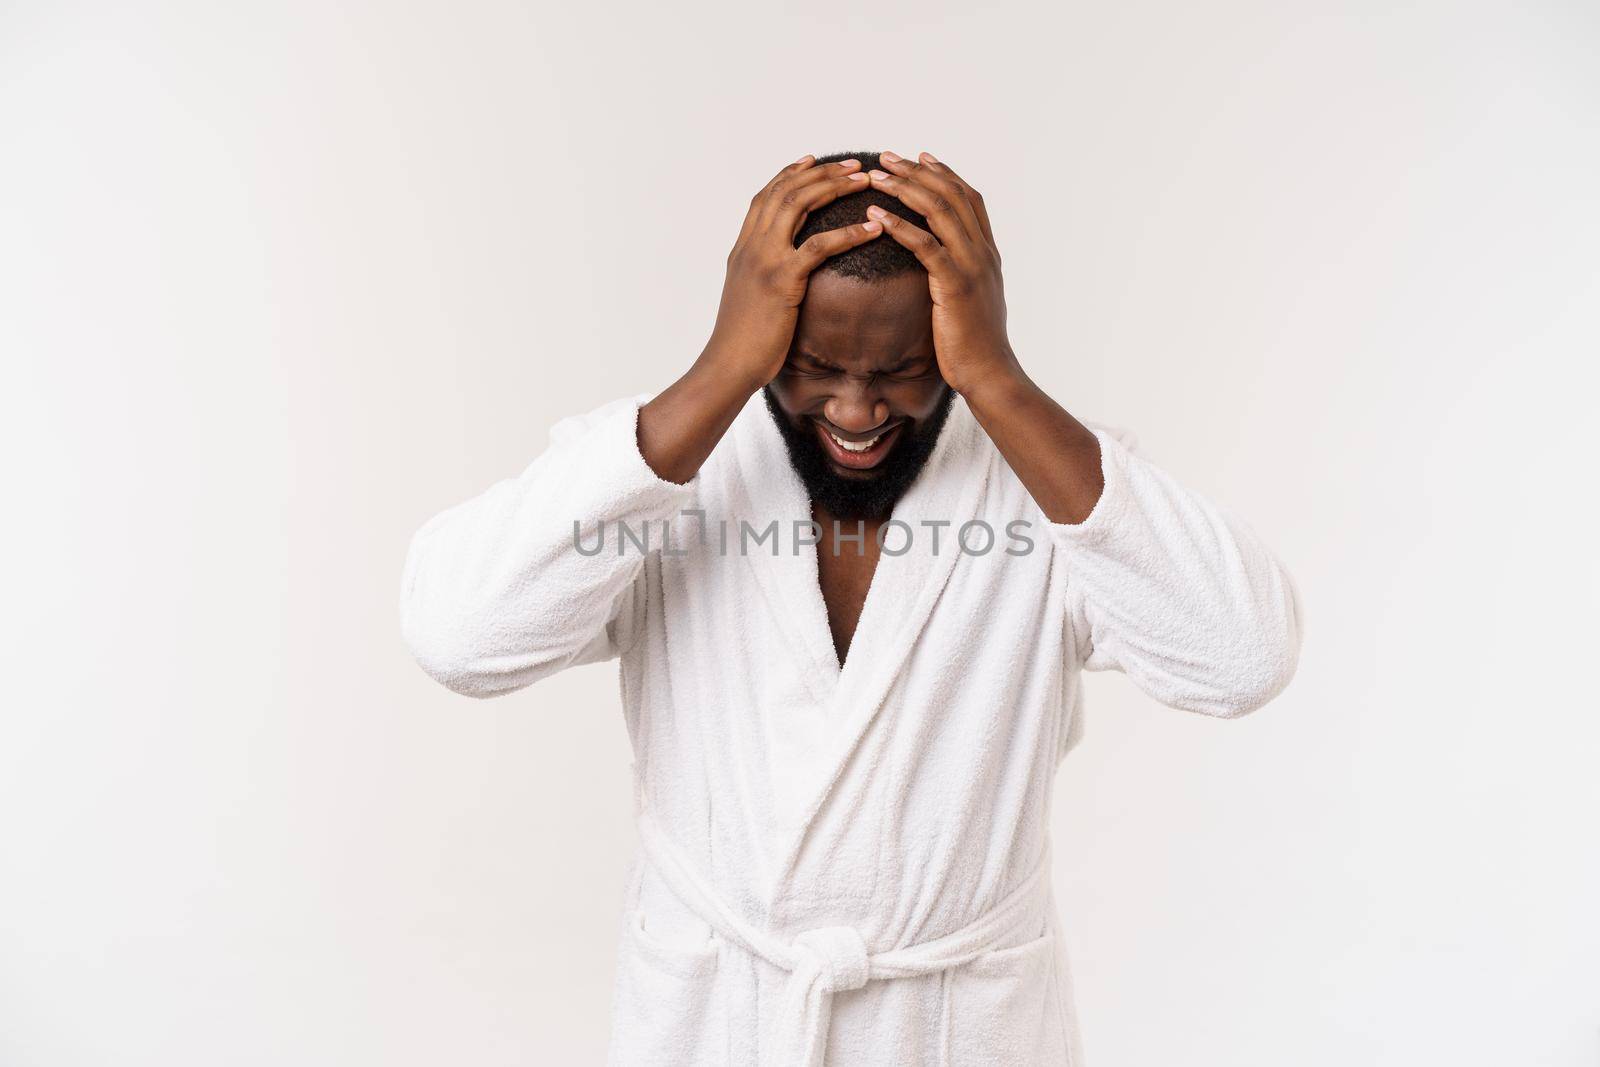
(768, 275)
(963, 264)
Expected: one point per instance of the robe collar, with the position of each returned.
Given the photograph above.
(765, 486)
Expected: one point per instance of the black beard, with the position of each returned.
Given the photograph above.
(860, 498)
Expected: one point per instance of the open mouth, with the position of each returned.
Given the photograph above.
(858, 452)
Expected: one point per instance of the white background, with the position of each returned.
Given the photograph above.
(280, 281)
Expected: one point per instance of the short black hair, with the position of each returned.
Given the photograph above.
(882, 257)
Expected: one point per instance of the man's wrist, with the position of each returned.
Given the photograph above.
(1001, 381)
(723, 364)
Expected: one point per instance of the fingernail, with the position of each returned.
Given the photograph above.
(929, 157)
(856, 177)
(878, 175)
(876, 212)
(889, 157)
(872, 227)
(849, 164)
(803, 158)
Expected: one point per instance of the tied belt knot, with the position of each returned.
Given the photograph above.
(831, 959)
(825, 961)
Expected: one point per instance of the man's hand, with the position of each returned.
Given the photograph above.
(766, 280)
(1056, 456)
(767, 275)
(969, 304)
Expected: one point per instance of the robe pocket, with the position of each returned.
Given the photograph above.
(1003, 1009)
(665, 1010)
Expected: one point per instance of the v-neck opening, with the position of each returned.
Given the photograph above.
(852, 653)
(847, 692)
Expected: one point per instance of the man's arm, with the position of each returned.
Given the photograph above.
(496, 593)
(761, 295)
(1056, 456)
(529, 578)
(1163, 585)
(1176, 592)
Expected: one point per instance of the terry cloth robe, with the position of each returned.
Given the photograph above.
(845, 866)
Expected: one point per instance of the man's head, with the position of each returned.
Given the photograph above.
(860, 401)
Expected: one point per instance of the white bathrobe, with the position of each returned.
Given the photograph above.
(843, 866)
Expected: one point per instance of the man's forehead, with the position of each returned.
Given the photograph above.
(896, 305)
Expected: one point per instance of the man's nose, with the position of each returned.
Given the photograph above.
(856, 407)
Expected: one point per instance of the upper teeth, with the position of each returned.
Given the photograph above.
(854, 446)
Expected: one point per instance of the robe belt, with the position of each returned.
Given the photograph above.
(831, 959)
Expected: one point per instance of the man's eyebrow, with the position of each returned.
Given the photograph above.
(905, 363)
(895, 368)
(813, 357)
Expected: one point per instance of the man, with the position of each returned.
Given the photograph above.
(853, 562)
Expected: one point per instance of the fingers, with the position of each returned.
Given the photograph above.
(975, 198)
(942, 201)
(803, 200)
(819, 246)
(758, 201)
(919, 242)
(798, 168)
(793, 193)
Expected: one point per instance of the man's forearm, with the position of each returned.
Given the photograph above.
(1056, 457)
(680, 426)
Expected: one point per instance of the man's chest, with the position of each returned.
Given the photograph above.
(847, 558)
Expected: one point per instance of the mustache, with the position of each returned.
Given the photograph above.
(883, 427)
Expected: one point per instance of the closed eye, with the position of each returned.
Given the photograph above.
(919, 370)
(915, 372)
(807, 372)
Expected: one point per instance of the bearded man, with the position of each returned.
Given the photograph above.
(853, 563)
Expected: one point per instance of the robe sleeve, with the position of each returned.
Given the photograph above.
(1176, 592)
(495, 593)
